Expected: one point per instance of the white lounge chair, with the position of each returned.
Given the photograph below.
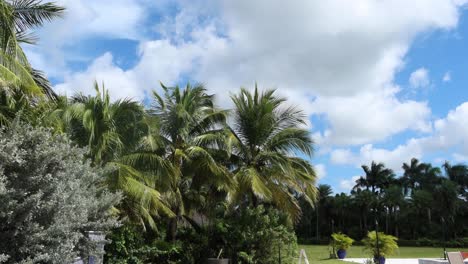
(455, 257)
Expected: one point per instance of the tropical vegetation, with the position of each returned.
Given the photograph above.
(379, 244)
(420, 207)
(49, 197)
(186, 179)
(341, 241)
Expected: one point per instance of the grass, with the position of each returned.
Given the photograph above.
(319, 254)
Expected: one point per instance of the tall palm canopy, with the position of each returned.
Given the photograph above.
(192, 138)
(112, 131)
(266, 138)
(107, 128)
(18, 17)
(20, 84)
(377, 177)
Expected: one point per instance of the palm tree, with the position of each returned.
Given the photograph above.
(323, 194)
(364, 200)
(447, 202)
(458, 174)
(19, 82)
(267, 138)
(192, 138)
(376, 177)
(110, 131)
(18, 18)
(393, 199)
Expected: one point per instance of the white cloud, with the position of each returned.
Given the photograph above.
(62, 39)
(159, 62)
(460, 158)
(336, 58)
(447, 77)
(370, 116)
(347, 184)
(449, 132)
(320, 170)
(419, 78)
(121, 84)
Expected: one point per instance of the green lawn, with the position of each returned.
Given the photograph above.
(320, 254)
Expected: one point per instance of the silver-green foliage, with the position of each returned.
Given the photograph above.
(49, 197)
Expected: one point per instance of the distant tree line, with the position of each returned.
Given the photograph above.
(422, 204)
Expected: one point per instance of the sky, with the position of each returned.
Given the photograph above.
(380, 80)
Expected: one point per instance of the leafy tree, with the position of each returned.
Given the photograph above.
(266, 138)
(323, 201)
(341, 207)
(49, 197)
(191, 140)
(393, 199)
(363, 200)
(111, 130)
(458, 174)
(376, 177)
(412, 174)
(18, 18)
(21, 86)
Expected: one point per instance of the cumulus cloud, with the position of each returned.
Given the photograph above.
(60, 40)
(419, 78)
(320, 170)
(121, 84)
(334, 58)
(370, 116)
(449, 132)
(168, 67)
(348, 184)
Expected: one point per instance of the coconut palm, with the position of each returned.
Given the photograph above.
(459, 174)
(412, 174)
(20, 84)
(267, 138)
(393, 198)
(363, 200)
(323, 200)
(376, 177)
(192, 139)
(18, 18)
(110, 131)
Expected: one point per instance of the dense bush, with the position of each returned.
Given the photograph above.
(49, 197)
(132, 245)
(252, 235)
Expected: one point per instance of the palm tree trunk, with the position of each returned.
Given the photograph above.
(429, 218)
(396, 224)
(171, 230)
(386, 221)
(317, 225)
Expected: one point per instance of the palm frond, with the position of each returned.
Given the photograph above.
(33, 13)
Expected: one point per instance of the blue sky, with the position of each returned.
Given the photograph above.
(379, 80)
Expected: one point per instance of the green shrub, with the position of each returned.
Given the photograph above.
(342, 241)
(387, 244)
(49, 198)
(132, 245)
(254, 235)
